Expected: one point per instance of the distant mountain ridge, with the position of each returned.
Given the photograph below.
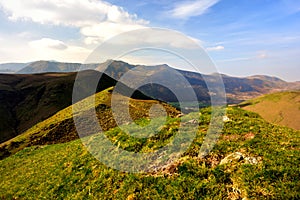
(11, 67)
(53, 66)
(237, 89)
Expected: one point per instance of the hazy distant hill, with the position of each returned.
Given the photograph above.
(281, 108)
(53, 66)
(11, 67)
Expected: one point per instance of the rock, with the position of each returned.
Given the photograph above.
(236, 156)
(251, 161)
(226, 119)
(180, 115)
(193, 121)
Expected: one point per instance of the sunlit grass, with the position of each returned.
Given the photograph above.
(68, 171)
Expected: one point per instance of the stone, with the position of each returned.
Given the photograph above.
(226, 119)
(180, 115)
(251, 161)
(236, 156)
(193, 121)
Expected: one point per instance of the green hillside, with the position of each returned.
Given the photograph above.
(60, 127)
(268, 169)
(27, 99)
(281, 108)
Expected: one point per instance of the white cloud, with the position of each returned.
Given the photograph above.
(256, 57)
(235, 59)
(15, 48)
(48, 43)
(49, 49)
(76, 13)
(262, 55)
(216, 48)
(187, 9)
(96, 21)
(102, 31)
(94, 18)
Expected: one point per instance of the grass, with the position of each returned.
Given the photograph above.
(60, 127)
(69, 171)
(281, 108)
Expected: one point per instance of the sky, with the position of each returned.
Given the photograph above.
(241, 37)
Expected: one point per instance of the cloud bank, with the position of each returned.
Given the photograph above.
(97, 20)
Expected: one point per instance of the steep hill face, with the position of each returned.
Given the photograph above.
(281, 108)
(28, 99)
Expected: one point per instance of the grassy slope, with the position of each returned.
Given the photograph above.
(26, 100)
(281, 108)
(68, 171)
(60, 127)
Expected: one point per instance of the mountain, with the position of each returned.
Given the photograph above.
(237, 89)
(53, 66)
(28, 99)
(11, 67)
(114, 68)
(281, 108)
(262, 162)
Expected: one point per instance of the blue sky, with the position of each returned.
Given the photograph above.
(242, 37)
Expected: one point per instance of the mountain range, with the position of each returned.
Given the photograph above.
(237, 88)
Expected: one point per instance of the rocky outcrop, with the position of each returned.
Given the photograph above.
(239, 157)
